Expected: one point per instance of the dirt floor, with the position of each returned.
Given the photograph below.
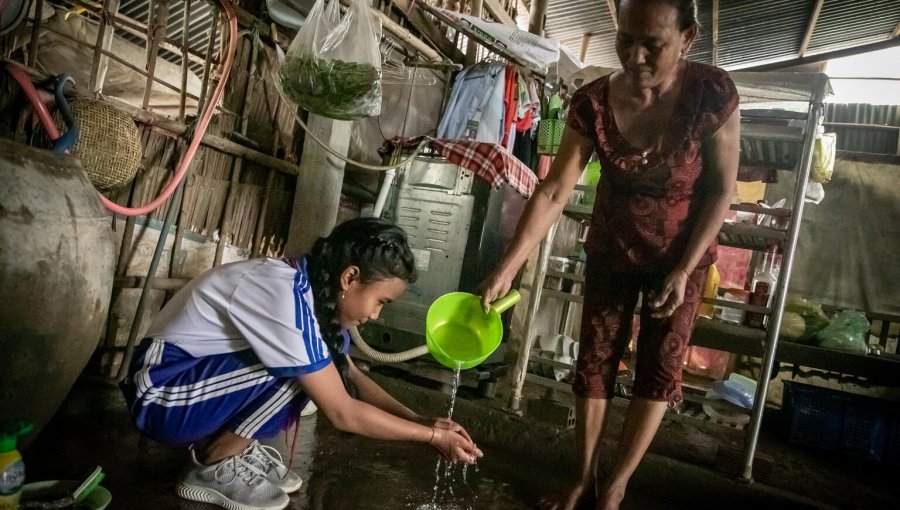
(688, 466)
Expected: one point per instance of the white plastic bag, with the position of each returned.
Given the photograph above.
(333, 66)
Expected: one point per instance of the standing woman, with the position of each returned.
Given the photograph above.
(238, 352)
(666, 131)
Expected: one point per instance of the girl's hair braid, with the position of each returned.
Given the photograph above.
(381, 252)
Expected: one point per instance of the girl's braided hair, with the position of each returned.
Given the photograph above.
(381, 252)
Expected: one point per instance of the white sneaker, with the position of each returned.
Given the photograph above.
(269, 461)
(233, 484)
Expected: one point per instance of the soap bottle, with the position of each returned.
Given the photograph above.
(12, 469)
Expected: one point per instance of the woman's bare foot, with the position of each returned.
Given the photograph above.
(576, 498)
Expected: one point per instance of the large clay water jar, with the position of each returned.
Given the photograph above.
(57, 259)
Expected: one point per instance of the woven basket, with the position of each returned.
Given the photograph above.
(108, 145)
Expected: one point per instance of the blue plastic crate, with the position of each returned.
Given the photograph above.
(832, 420)
(816, 415)
(866, 428)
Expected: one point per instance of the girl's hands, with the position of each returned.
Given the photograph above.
(454, 446)
(670, 297)
(446, 424)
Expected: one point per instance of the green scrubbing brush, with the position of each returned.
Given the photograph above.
(88, 485)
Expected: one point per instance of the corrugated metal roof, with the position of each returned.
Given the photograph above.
(750, 32)
(848, 23)
(761, 30)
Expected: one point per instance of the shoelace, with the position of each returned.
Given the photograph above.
(248, 473)
(266, 456)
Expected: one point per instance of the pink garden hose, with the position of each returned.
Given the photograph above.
(198, 133)
(18, 73)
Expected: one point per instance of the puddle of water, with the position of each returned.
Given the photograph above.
(345, 471)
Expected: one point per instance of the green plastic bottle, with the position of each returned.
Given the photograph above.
(12, 469)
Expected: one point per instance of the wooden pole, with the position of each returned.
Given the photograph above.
(35, 34)
(185, 46)
(613, 13)
(318, 192)
(404, 35)
(715, 32)
(537, 17)
(810, 28)
(157, 31)
(105, 34)
(211, 42)
(585, 43)
(472, 48)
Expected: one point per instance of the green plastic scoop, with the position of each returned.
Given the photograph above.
(458, 332)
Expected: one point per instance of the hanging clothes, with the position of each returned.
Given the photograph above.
(475, 110)
(510, 104)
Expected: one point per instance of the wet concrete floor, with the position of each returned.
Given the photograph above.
(523, 461)
(340, 471)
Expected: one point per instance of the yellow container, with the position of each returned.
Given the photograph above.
(711, 290)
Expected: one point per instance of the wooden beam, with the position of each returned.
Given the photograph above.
(585, 42)
(611, 4)
(715, 32)
(537, 17)
(100, 64)
(429, 30)
(810, 28)
(498, 12)
(472, 48)
(156, 33)
(402, 34)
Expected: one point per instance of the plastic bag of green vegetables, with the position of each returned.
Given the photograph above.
(848, 331)
(333, 66)
(814, 318)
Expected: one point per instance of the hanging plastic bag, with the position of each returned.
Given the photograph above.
(848, 331)
(333, 66)
(823, 158)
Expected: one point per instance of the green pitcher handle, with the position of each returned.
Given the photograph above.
(506, 302)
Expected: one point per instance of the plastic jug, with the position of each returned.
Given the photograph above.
(12, 469)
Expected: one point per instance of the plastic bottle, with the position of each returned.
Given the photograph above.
(711, 290)
(12, 469)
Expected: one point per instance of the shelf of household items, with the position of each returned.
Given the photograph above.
(739, 339)
(756, 237)
(577, 211)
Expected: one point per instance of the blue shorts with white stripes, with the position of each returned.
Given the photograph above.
(179, 399)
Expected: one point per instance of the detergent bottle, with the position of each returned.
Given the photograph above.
(12, 469)
(711, 290)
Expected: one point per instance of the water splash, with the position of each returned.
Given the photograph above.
(444, 482)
